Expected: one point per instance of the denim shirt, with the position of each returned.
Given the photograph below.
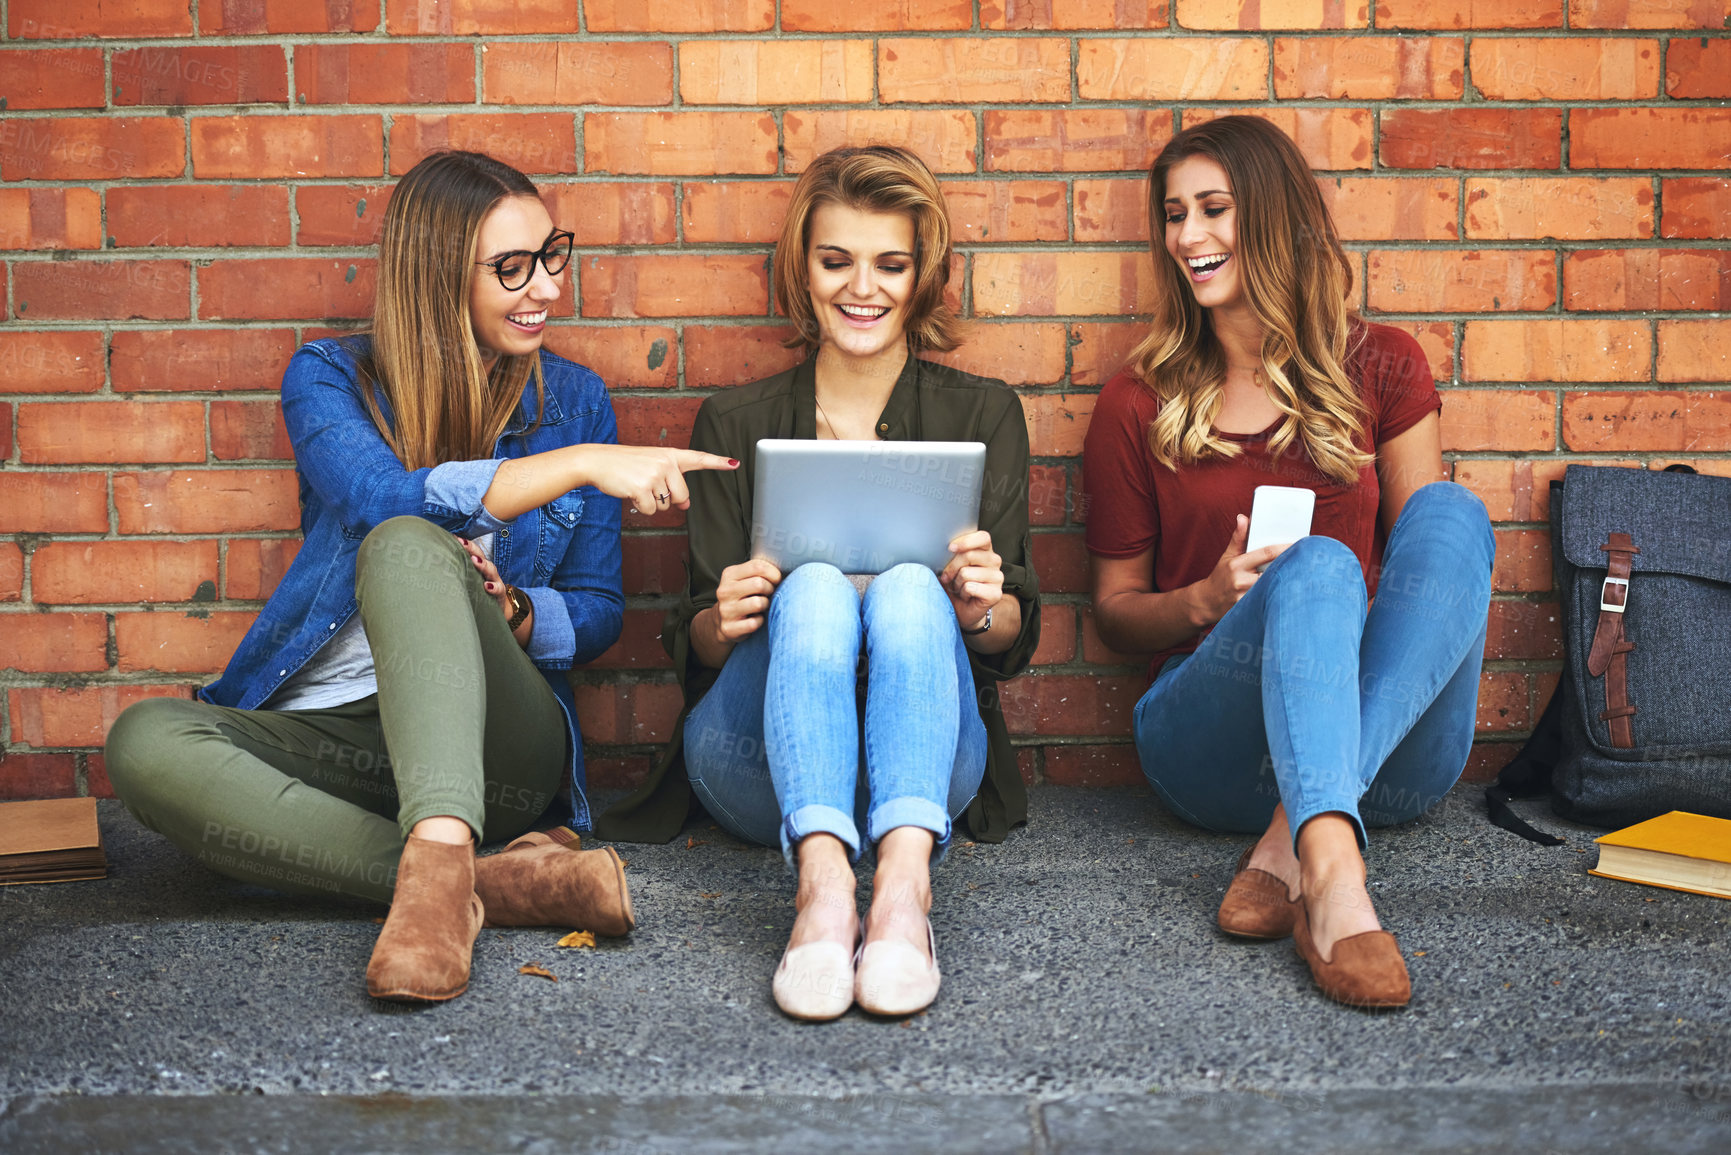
(564, 555)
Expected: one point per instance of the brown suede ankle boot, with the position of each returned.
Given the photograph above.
(422, 955)
(543, 880)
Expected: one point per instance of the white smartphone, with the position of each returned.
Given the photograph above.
(1279, 515)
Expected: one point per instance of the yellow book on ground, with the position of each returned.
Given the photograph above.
(1679, 850)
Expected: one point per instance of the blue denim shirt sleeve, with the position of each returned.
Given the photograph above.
(460, 485)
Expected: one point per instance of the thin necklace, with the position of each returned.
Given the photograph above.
(834, 433)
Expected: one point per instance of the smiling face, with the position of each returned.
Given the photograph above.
(860, 272)
(1202, 231)
(506, 321)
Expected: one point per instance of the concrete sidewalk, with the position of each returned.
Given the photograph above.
(1089, 1004)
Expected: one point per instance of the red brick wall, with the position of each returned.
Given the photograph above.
(1537, 188)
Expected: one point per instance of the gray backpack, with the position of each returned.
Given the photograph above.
(1641, 721)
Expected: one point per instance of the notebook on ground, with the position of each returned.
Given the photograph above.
(1679, 850)
(55, 840)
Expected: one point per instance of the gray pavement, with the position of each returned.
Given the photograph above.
(1089, 1004)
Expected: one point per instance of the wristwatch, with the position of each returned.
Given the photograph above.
(520, 607)
(984, 626)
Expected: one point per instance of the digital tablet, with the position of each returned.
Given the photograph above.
(864, 506)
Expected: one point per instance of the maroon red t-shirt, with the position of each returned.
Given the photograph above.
(1187, 516)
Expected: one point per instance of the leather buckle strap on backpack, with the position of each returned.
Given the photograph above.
(1607, 658)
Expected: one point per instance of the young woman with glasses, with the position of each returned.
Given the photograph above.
(1284, 703)
(403, 694)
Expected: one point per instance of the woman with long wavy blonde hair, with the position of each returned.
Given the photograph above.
(1284, 701)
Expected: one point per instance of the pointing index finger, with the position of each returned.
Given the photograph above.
(689, 459)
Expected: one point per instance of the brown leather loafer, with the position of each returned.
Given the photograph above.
(422, 955)
(1366, 971)
(542, 879)
(1256, 904)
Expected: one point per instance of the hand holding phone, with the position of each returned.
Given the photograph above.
(1279, 515)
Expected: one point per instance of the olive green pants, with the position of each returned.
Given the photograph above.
(320, 801)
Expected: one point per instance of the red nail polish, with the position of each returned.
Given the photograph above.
(733, 461)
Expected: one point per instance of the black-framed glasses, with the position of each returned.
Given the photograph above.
(515, 268)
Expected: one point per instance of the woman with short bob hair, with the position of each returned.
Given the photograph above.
(1281, 703)
(770, 743)
(403, 693)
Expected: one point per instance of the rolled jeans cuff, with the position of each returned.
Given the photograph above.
(817, 819)
(920, 812)
(1307, 809)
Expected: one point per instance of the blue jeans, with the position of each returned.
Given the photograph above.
(772, 750)
(1301, 696)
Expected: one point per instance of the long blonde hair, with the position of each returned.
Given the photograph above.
(1296, 280)
(445, 404)
(881, 178)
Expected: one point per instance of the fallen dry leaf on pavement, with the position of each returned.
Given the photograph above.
(578, 938)
(690, 842)
(538, 971)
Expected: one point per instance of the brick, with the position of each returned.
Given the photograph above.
(1698, 69)
(103, 290)
(1048, 494)
(1563, 208)
(1695, 350)
(1648, 138)
(1099, 350)
(201, 216)
(1018, 15)
(385, 73)
(277, 17)
(177, 643)
(892, 16)
(736, 212)
(201, 74)
(1486, 760)
(614, 213)
(639, 645)
(970, 70)
(252, 567)
(1520, 490)
(1492, 14)
(1061, 561)
(1054, 704)
(1392, 208)
(1621, 280)
(675, 285)
(1557, 350)
(91, 148)
(531, 142)
(943, 138)
(1331, 139)
(1523, 631)
(312, 288)
(207, 501)
(1571, 68)
(1074, 140)
(1471, 281)
(1669, 420)
(1523, 563)
(110, 431)
(1019, 354)
(1015, 210)
(90, 572)
(1472, 138)
(1504, 702)
(1057, 636)
(1250, 15)
(11, 572)
(1696, 207)
(341, 214)
(736, 354)
(680, 15)
(1506, 420)
(1437, 340)
(626, 772)
(50, 643)
(1057, 422)
(5, 430)
(53, 502)
(775, 72)
(666, 143)
(1111, 210)
(265, 147)
(617, 714)
(1095, 767)
(1648, 14)
(653, 563)
(1062, 283)
(663, 421)
(54, 19)
(248, 431)
(80, 716)
(157, 360)
(1095, 651)
(625, 356)
(52, 78)
(519, 72)
(24, 776)
(479, 17)
(1369, 68)
(57, 361)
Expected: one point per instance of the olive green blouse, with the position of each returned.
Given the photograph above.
(930, 402)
